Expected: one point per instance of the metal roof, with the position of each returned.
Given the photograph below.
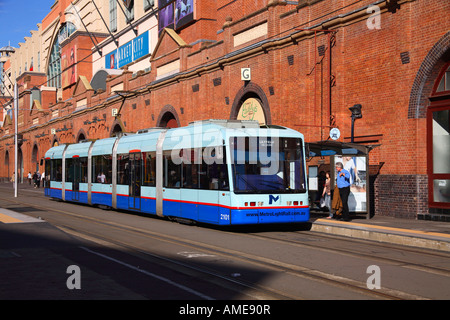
(331, 147)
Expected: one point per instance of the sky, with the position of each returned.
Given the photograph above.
(18, 17)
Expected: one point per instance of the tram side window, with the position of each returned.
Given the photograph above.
(123, 171)
(48, 171)
(190, 168)
(172, 171)
(69, 170)
(56, 170)
(217, 176)
(190, 176)
(76, 170)
(102, 169)
(210, 174)
(149, 168)
(84, 170)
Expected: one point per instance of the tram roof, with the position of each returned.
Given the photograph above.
(78, 149)
(102, 146)
(201, 132)
(55, 152)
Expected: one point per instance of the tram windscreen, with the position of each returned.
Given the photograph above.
(267, 165)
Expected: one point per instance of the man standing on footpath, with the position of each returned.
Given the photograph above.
(343, 183)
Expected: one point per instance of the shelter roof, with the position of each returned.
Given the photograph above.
(331, 147)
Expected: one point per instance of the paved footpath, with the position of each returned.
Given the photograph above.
(427, 234)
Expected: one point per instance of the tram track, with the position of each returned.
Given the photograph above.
(259, 291)
(361, 253)
(251, 290)
(227, 253)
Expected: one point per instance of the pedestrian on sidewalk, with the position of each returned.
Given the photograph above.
(38, 182)
(327, 193)
(35, 177)
(343, 183)
(43, 179)
(29, 177)
(337, 203)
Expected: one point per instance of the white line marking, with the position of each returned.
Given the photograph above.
(190, 255)
(182, 287)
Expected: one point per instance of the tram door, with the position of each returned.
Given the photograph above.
(134, 199)
(76, 163)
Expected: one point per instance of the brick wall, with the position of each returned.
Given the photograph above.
(389, 71)
(401, 196)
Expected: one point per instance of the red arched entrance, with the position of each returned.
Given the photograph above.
(168, 118)
(438, 144)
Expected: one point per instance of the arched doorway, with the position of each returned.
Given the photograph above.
(35, 158)
(430, 100)
(168, 118)
(81, 136)
(116, 130)
(438, 146)
(8, 172)
(251, 103)
(20, 165)
(169, 121)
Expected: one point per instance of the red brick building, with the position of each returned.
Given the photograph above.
(308, 63)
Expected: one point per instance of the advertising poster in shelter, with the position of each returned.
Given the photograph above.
(357, 166)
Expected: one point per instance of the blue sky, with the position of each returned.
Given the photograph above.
(18, 17)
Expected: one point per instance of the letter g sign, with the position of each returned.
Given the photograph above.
(246, 74)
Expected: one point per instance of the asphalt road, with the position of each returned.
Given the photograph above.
(82, 252)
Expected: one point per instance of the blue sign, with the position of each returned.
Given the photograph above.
(125, 54)
(111, 60)
(141, 46)
(129, 52)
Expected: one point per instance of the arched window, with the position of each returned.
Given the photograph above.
(54, 65)
(444, 83)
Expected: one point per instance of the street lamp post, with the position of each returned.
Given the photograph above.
(16, 143)
(356, 114)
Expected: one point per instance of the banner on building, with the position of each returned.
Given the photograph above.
(184, 12)
(175, 14)
(129, 52)
(68, 65)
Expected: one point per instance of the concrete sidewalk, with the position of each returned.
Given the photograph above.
(427, 234)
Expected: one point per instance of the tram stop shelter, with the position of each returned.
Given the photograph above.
(355, 158)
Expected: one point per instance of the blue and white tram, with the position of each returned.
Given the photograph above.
(215, 171)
